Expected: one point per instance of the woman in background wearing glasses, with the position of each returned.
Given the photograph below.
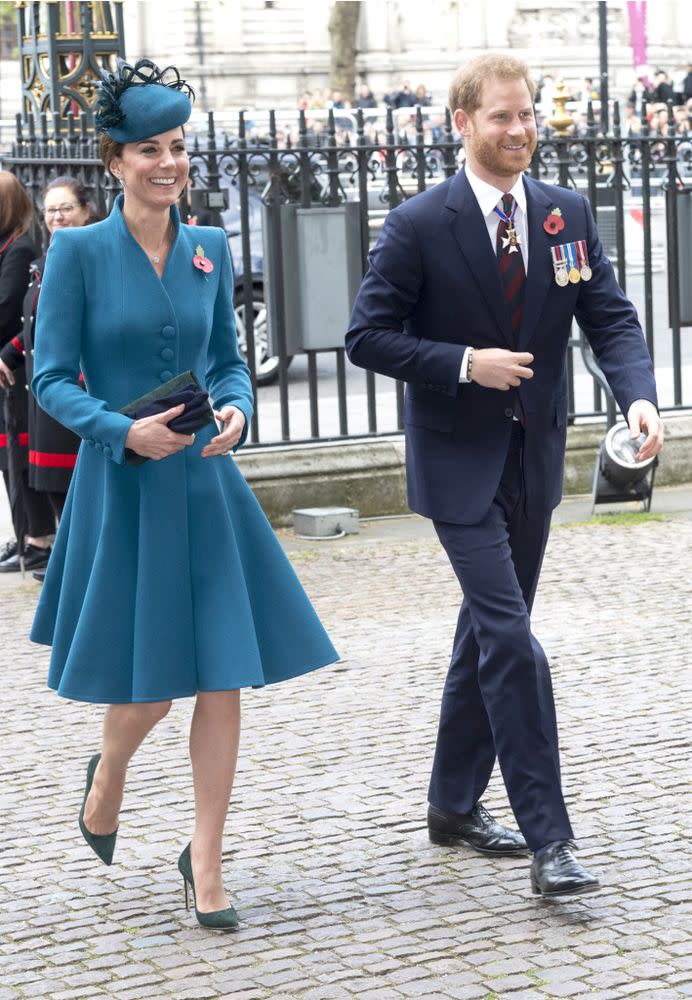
(52, 447)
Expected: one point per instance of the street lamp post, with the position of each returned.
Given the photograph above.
(603, 49)
(199, 31)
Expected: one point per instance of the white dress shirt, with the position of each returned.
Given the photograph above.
(489, 198)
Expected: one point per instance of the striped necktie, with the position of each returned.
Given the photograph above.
(512, 272)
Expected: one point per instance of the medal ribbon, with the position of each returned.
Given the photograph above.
(569, 247)
(558, 257)
(509, 219)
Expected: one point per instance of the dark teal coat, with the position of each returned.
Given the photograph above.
(166, 578)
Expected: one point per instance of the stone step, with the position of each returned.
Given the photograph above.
(277, 28)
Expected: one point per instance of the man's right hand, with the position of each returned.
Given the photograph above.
(496, 368)
(152, 438)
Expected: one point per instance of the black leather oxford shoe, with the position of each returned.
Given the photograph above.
(556, 872)
(8, 550)
(476, 829)
(34, 558)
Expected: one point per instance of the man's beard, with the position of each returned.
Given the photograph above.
(490, 156)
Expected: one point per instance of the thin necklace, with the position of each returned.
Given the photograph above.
(155, 256)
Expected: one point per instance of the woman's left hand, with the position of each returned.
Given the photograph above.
(233, 421)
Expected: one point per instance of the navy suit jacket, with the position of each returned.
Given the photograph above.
(432, 289)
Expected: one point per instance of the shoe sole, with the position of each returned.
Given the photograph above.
(451, 840)
(579, 891)
(27, 568)
(218, 930)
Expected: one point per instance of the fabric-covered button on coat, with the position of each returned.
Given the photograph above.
(166, 578)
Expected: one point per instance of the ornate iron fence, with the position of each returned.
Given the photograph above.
(244, 173)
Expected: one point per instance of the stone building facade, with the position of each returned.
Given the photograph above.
(259, 54)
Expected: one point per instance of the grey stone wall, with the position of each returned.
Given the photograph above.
(370, 475)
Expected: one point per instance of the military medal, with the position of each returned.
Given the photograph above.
(559, 266)
(584, 269)
(573, 275)
(510, 242)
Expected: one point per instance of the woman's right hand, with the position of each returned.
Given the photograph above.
(152, 438)
(6, 376)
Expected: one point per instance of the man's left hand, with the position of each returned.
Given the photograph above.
(643, 418)
(233, 420)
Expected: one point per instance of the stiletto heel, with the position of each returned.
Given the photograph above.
(218, 920)
(102, 845)
(187, 901)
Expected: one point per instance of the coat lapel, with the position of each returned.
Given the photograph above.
(540, 272)
(471, 235)
(137, 261)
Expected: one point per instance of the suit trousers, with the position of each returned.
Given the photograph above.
(498, 696)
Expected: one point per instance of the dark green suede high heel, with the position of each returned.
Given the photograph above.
(218, 920)
(101, 844)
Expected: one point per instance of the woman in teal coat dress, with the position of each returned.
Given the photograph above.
(166, 580)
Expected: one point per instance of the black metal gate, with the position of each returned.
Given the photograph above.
(244, 173)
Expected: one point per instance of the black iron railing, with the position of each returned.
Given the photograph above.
(252, 177)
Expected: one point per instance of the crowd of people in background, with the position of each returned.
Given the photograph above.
(403, 96)
(650, 94)
(653, 96)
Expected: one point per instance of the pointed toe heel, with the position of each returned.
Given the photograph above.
(103, 845)
(217, 920)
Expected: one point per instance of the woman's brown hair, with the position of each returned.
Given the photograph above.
(108, 150)
(16, 207)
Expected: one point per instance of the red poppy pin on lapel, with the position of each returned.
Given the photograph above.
(554, 223)
(200, 261)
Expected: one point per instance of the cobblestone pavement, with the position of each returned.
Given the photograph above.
(339, 891)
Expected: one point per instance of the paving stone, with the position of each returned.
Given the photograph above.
(645, 986)
(135, 992)
(512, 983)
(502, 967)
(616, 978)
(340, 893)
(531, 994)
(567, 988)
(77, 993)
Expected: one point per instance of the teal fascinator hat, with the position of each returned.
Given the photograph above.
(142, 100)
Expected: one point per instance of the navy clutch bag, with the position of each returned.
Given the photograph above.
(184, 388)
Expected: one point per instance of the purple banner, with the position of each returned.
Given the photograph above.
(636, 12)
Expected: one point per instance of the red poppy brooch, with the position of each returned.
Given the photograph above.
(200, 261)
(554, 223)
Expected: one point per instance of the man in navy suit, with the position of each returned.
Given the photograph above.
(469, 299)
